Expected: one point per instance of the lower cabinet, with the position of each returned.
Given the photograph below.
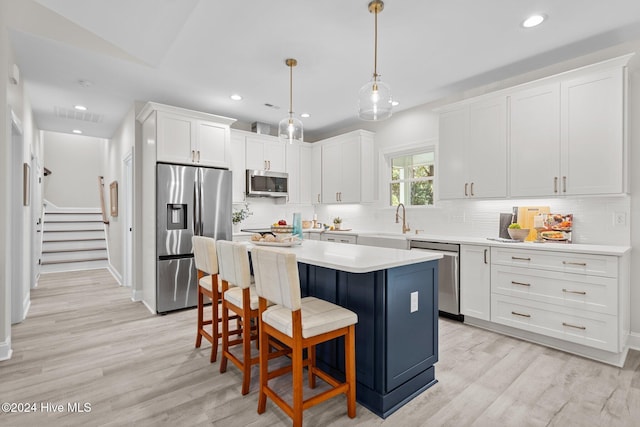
(339, 238)
(572, 297)
(475, 281)
(396, 333)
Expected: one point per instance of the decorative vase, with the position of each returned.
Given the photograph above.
(337, 225)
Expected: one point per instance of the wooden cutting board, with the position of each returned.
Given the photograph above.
(526, 215)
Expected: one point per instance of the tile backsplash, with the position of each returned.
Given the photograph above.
(594, 217)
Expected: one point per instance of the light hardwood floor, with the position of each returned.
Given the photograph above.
(85, 341)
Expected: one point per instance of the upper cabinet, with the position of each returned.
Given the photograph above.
(316, 174)
(190, 137)
(265, 152)
(592, 111)
(347, 168)
(238, 168)
(535, 141)
(473, 150)
(567, 136)
(561, 135)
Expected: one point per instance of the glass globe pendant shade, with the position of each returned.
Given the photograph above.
(290, 130)
(375, 101)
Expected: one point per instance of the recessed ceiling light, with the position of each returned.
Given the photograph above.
(80, 107)
(236, 97)
(305, 115)
(533, 21)
(395, 103)
(77, 131)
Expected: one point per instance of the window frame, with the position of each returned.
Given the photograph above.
(387, 156)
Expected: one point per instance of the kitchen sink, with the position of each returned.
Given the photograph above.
(385, 240)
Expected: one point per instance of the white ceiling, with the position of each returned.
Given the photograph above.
(196, 53)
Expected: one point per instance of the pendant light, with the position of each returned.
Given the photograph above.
(375, 96)
(290, 128)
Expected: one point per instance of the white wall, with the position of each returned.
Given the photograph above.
(5, 185)
(116, 149)
(75, 161)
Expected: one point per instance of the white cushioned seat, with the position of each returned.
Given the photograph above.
(318, 317)
(234, 296)
(205, 282)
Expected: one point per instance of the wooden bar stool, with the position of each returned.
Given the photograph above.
(299, 323)
(206, 262)
(242, 300)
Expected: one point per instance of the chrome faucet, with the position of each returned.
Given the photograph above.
(405, 226)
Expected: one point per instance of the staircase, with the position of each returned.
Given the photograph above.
(73, 239)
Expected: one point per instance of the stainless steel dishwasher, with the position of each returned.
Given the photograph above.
(448, 275)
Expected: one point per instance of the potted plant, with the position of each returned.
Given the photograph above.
(240, 215)
(337, 222)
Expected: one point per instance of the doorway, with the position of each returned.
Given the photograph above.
(20, 198)
(128, 220)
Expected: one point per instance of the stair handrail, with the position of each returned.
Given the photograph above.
(102, 204)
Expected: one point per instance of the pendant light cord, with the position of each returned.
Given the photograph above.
(290, 90)
(375, 48)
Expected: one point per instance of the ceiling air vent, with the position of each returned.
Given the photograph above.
(73, 114)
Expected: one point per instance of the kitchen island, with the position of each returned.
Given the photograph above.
(394, 293)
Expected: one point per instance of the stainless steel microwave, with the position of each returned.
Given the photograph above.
(261, 183)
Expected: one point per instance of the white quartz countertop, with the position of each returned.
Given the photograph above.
(354, 258)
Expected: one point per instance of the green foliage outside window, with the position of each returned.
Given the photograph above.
(412, 179)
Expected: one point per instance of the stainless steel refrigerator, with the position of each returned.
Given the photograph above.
(191, 201)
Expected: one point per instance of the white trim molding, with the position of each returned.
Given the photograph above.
(634, 340)
(5, 349)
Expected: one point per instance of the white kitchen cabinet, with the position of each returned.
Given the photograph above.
(306, 194)
(265, 152)
(535, 141)
(316, 174)
(475, 281)
(347, 168)
(292, 153)
(238, 169)
(567, 137)
(339, 238)
(592, 133)
(472, 154)
(578, 298)
(187, 138)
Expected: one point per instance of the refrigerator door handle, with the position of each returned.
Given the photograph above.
(196, 228)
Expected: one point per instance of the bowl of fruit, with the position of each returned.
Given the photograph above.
(281, 227)
(518, 233)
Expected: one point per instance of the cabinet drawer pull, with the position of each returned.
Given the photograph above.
(198, 156)
(564, 184)
(520, 283)
(471, 189)
(485, 253)
(515, 313)
(520, 258)
(569, 325)
(193, 155)
(466, 193)
(555, 184)
(318, 197)
(574, 292)
(581, 264)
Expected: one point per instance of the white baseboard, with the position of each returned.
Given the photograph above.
(5, 349)
(634, 340)
(116, 275)
(26, 305)
(152, 311)
(136, 295)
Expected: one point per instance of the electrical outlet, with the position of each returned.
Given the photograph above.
(414, 301)
(619, 219)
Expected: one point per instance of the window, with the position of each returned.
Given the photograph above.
(412, 177)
